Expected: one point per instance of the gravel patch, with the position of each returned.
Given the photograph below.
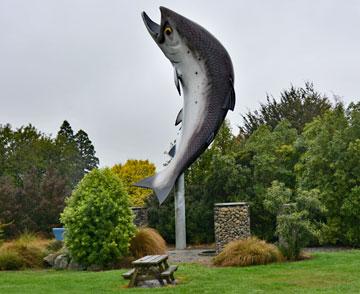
(189, 256)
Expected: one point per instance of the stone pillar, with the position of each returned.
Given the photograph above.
(232, 222)
(140, 216)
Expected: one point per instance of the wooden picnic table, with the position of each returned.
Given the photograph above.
(151, 267)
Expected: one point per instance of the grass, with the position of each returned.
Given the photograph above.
(337, 272)
(250, 251)
(147, 241)
(28, 248)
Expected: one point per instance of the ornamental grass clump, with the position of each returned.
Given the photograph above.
(10, 260)
(27, 251)
(98, 220)
(147, 241)
(250, 251)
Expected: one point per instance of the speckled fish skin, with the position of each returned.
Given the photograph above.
(205, 71)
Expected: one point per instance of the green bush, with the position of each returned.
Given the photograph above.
(250, 251)
(296, 224)
(98, 219)
(10, 260)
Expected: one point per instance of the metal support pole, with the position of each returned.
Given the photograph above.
(180, 225)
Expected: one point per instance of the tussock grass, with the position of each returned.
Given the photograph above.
(147, 241)
(27, 251)
(250, 251)
(10, 260)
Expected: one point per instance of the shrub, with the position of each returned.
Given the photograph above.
(55, 245)
(10, 260)
(147, 241)
(28, 248)
(131, 172)
(98, 219)
(250, 251)
(296, 224)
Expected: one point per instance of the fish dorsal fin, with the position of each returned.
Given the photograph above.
(179, 117)
(172, 151)
(177, 81)
(229, 102)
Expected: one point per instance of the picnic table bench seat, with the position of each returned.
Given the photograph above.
(128, 274)
(169, 272)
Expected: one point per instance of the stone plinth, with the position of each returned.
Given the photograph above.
(232, 222)
(141, 216)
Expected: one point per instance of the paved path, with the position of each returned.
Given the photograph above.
(189, 255)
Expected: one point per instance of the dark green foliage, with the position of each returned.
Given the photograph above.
(331, 164)
(86, 150)
(36, 174)
(297, 217)
(98, 219)
(297, 105)
(266, 156)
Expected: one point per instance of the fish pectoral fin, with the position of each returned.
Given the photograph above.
(229, 102)
(179, 117)
(172, 151)
(210, 138)
(177, 82)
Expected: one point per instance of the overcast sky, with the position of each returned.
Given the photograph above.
(94, 64)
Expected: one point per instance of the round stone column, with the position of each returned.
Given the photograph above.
(232, 222)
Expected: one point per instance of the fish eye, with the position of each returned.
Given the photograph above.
(168, 30)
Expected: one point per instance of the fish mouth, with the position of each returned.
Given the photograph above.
(152, 27)
(155, 29)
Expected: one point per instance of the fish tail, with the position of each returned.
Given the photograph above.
(160, 188)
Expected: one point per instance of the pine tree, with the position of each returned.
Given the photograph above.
(69, 159)
(86, 150)
(65, 133)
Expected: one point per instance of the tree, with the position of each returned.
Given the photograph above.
(36, 174)
(69, 155)
(331, 165)
(297, 105)
(131, 172)
(98, 219)
(267, 155)
(87, 151)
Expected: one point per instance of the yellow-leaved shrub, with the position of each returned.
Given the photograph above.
(131, 172)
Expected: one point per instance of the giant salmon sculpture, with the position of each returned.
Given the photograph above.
(204, 69)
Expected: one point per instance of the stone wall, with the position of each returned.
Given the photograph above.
(232, 222)
(141, 216)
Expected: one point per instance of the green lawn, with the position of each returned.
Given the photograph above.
(337, 272)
